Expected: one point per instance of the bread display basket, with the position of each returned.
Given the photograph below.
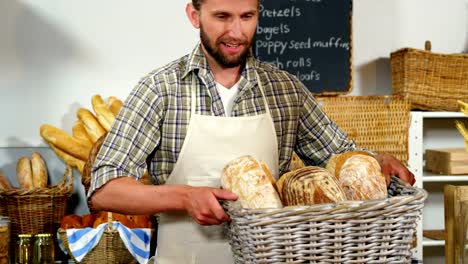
(374, 231)
(38, 210)
(110, 248)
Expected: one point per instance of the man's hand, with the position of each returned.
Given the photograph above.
(392, 166)
(203, 206)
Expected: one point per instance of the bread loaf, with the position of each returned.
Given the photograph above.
(91, 124)
(79, 132)
(103, 114)
(296, 162)
(71, 221)
(4, 182)
(64, 142)
(251, 180)
(69, 159)
(114, 105)
(39, 171)
(336, 161)
(361, 178)
(310, 185)
(24, 173)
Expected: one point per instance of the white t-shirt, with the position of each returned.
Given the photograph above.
(228, 96)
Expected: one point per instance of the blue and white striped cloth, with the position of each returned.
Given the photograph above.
(83, 240)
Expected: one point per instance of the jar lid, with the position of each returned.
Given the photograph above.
(24, 235)
(44, 235)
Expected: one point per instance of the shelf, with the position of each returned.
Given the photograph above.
(427, 242)
(441, 114)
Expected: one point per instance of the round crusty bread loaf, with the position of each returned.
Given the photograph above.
(311, 185)
(362, 179)
(336, 161)
(251, 180)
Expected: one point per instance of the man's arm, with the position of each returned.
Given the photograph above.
(128, 196)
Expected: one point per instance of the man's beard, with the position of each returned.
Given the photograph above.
(219, 57)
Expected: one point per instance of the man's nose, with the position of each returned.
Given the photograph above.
(235, 28)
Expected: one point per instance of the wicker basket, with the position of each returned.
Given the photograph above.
(431, 81)
(378, 123)
(109, 250)
(378, 231)
(38, 210)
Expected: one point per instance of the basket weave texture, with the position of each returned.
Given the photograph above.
(377, 123)
(109, 250)
(430, 80)
(377, 231)
(38, 210)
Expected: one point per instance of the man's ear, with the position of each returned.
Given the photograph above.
(193, 15)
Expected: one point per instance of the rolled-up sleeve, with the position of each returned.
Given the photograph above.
(135, 133)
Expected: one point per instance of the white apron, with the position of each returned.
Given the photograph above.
(211, 142)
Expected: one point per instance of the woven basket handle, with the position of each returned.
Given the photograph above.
(109, 221)
(427, 45)
(67, 179)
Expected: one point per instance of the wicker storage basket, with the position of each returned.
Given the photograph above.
(378, 231)
(378, 123)
(430, 80)
(38, 210)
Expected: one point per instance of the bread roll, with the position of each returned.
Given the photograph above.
(311, 185)
(114, 105)
(103, 114)
(251, 181)
(24, 173)
(39, 171)
(71, 221)
(79, 132)
(4, 182)
(140, 221)
(91, 124)
(88, 220)
(69, 159)
(362, 179)
(336, 161)
(64, 142)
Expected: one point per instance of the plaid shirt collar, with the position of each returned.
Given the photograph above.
(197, 62)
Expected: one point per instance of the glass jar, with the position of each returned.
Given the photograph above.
(4, 240)
(23, 249)
(43, 249)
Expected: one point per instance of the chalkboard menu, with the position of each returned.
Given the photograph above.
(310, 39)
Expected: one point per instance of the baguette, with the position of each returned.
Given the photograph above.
(92, 126)
(64, 142)
(69, 159)
(4, 182)
(114, 104)
(79, 132)
(39, 171)
(103, 114)
(24, 173)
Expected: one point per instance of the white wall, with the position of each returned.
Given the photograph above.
(56, 54)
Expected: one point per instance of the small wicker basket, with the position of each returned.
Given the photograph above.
(430, 80)
(377, 231)
(109, 250)
(38, 210)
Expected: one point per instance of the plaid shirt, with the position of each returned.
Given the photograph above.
(151, 126)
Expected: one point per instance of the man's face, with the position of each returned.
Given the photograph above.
(227, 29)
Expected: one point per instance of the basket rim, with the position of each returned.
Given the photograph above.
(65, 187)
(415, 50)
(330, 210)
